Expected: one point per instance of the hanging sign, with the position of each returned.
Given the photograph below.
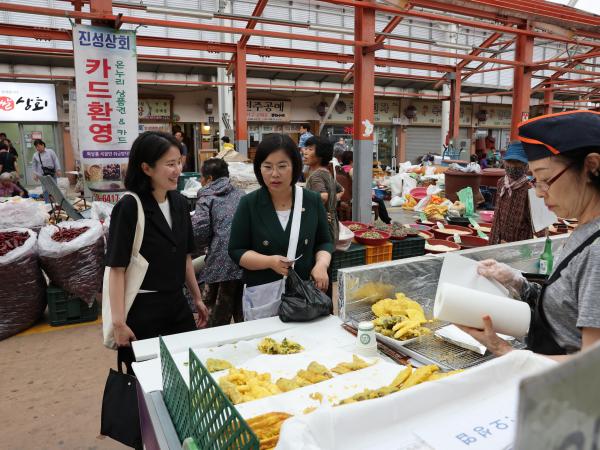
(27, 102)
(384, 111)
(107, 101)
(154, 109)
(269, 110)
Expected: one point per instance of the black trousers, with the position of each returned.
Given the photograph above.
(157, 314)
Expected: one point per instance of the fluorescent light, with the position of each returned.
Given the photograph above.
(180, 12)
(330, 29)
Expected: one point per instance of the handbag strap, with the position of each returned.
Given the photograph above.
(140, 225)
(296, 218)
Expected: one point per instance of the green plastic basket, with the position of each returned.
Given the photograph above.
(354, 256)
(175, 393)
(65, 308)
(408, 248)
(215, 423)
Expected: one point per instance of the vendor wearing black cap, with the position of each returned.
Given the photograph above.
(564, 157)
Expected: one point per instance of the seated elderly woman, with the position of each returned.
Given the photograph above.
(8, 188)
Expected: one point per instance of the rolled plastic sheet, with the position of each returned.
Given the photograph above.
(464, 306)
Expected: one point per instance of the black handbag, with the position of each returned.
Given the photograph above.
(302, 301)
(47, 171)
(120, 418)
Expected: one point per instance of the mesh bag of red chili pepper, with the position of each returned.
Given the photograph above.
(23, 286)
(72, 255)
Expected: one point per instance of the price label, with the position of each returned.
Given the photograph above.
(423, 217)
(474, 223)
(457, 238)
(440, 225)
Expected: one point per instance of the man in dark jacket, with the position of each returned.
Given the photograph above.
(222, 278)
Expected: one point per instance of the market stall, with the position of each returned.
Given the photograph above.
(326, 342)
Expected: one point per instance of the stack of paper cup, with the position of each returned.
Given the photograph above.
(464, 306)
(366, 343)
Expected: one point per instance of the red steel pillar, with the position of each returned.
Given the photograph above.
(548, 99)
(521, 82)
(364, 104)
(240, 98)
(455, 88)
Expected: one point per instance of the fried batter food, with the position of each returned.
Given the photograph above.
(401, 318)
(346, 367)
(270, 346)
(215, 365)
(402, 377)
(419, 376)
(314, 373)
(266, 427)
(242, 385)
(405, 379)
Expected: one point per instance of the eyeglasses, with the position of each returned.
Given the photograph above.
(544, 186)
(269, 169)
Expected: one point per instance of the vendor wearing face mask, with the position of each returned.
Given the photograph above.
(512, 219)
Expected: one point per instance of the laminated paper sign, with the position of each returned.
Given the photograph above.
(107, 101)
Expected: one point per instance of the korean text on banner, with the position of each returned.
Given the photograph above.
(107, 100)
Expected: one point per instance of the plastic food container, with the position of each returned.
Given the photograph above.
(451, 230)
(355, 226)
(486, 216)
(449, 246)
(470, 241)
(483, 226)
(358, 236)
(419, 193)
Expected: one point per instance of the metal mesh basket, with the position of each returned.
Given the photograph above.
(215, 422)
(433, 350)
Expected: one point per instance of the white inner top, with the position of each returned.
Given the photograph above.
(284, 217)
(164, 207)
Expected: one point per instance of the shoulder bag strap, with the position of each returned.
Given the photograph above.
(139, 227)
(296, 218)
(565, 262)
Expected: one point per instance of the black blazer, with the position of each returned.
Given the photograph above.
(164, 248)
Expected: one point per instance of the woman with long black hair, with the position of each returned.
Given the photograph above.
(160, 307)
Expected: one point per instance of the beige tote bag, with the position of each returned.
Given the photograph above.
(134, 276)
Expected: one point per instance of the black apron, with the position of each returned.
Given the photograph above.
(540, 338)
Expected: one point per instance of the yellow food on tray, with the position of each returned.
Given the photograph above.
(407, 378)
(314, 373)
(270, 346)
(267, 427)
(399, 318)
(242, 385)
(215, 365)
(435, 212)
(410, 202)
(355, 364)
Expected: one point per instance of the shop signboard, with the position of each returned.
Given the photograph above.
(107, 102)
(269, 110)
(384, 110)
(155, 109)
(430, 113)
(27, 102)
(498, 116)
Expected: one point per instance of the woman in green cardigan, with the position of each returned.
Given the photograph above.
(261, 227)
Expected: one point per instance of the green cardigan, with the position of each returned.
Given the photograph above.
(256, 227)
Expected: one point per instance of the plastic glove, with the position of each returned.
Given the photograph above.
(502, 273)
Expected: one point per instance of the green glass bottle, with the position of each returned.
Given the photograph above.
(546, 258)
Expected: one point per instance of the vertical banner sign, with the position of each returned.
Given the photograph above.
(107, 101)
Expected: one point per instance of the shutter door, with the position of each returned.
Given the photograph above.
(422, 140)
